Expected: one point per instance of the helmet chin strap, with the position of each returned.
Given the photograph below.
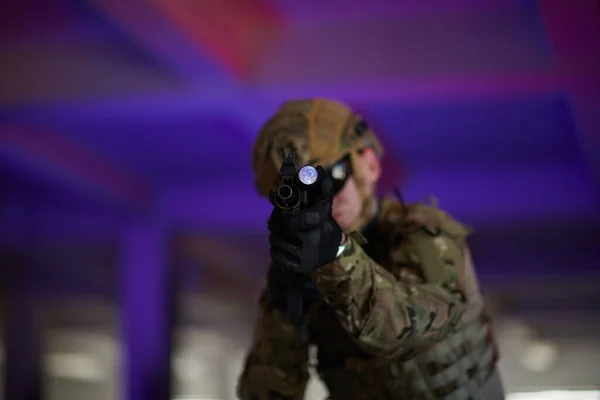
(367, 195)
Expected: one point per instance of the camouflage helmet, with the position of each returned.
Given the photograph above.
(322, 132)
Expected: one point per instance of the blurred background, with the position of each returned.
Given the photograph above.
(132, 241)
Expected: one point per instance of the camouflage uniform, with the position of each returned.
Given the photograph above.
(398, 317)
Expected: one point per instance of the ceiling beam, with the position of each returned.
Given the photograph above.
(317, 11)
(49, 155)
(256, 103)
(74, 73)
(150, 31)
(234, 32)
(433, 89)
(573, 30)
(231, 32)
(468, 41)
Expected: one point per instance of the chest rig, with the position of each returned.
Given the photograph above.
(417, 244)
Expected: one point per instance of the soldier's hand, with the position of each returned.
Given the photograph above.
(309, 238)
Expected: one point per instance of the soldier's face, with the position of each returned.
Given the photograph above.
(348, 203)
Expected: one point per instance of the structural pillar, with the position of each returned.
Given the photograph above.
(22, 350)
(147, 313)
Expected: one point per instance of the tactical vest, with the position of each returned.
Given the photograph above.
(453, 369)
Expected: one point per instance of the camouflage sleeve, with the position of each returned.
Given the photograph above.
(276, 367)
(385, 316)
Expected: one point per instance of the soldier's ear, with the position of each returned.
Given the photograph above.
(370, 166)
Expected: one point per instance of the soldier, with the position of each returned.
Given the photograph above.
(396, 311)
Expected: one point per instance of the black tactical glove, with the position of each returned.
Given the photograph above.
(309, 238)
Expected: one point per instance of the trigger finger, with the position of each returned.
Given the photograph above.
(285, 246)
(306, 219)
(280, 260)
